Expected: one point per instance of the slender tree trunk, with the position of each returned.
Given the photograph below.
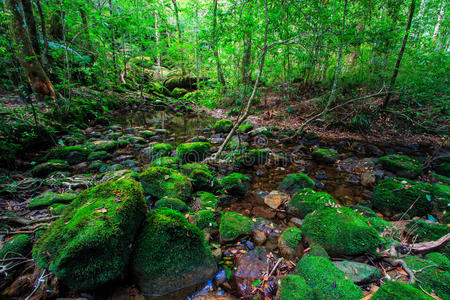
(87, 36)
(438, 24)
(220, 77)
(34, 72)
(31, 25)
(180, 35)
(113, 42)
(400, 55)
(246, 59)
(158, 51)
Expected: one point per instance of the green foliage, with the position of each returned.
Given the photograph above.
(44, 169)
(328, 156)
(205, 219)
(72, 154)
(206, 200)
(167, 162)
(427, 231)
(255, 157)
(245, 128)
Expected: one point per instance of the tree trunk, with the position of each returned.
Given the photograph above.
(246, 58)
(158, 51)
(31, 25)
(113, 42)
(220, 77)
(438, 24)
(34, 72)
(87, 36)
(400, 55)
(44, 56)
(180, 35)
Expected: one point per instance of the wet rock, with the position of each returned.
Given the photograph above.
(198, 138)
(270, 230)
(216, 140)
(353, 179)
(357, 272)
(276, 198)
(295, 222)
(20, 287)
(250, 268)
(259, 237)
(321, 176)
(171, 254)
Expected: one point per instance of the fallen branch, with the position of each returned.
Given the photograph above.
(40, 280)
(401, 263)
(23, 221)
(427, 246)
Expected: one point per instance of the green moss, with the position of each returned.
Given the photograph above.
(397, 195)
(294, 287)
(90, 244)
(341, 231)
(160, 182)
(402, 165)
(48, 198)
(167, 162)
(235, 184)
(72, 154)
(431, 279)
(307, 200)
(245, 128)
(316, 250)
(291, 237)
(98, 165)
(327, 281)
(394, 290)
(167, 249)
(206, 200)
(223, 126)
(427, 231)
(444, 169)
(186, 169)
(328, 156)
(201, 176)
(441, 179)
(54, 165)
(173, 203)
(205, 219)
(58, 209)
(193, 152)
(159, 150)
(19, 245)
(178, 92)
(148, 133)
(374, 220)
(255, 157)
(234, 225)
(99, 155)
(441, 195)
(439, 259)
(294, 182)
(105, 145)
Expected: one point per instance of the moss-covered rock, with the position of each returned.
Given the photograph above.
(427, 231)
(159, 150)
(234, 225)
(307, 200)
(19, 245)
(54, 165)
(430, 279)
(375, 221)
(186, 169)
(170, 254)
(394, 290)
(160, 182)
(316, 250)
(439, 259)
(245, 128)
(48, 198)
(193, 152)
(71, 154)
(148, 133)
(235, 184)
(205, 219)
(444, 169)
(294, 182)
(223, 126)
(294, 287)
(173, 203)
(397, 195)
(357, 272)
(326, 156)
(255, 157)
(204, 200)
(441, 195)
(178, 92)
(106, 145)
(327, 281)
(289, 243)
(402, 165)
(201, 176)
(99, 155)
(90, 244)
(167, 162)
(58, 209)
(341, 231)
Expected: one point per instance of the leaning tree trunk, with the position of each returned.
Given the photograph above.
(31, 24)
(400, 54)
(34, 72)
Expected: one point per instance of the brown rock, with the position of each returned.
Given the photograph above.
(249, 268)
(275, 198)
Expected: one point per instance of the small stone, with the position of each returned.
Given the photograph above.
(295, 222)
(275, 199)
(259, 237)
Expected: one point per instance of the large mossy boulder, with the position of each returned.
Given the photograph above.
(294, 287)
(327, 281)
(223, 126)
(295, 182)
(17, 246)
(341, 231)
(400, 195)
(170, 254)
(193, 152)
(54, 165)
(394, 290)
(326, 156)
(72, 154)
(90, 244)
(234, 225)
(159, 150)
(48, 198)
(160, 182)
(431, 278)
(402, 165)
(201, 176)
(235, 184)
(307, 200)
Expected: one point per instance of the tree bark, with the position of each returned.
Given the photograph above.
(87, 36)
(44, 55)
(400, 55)
(220, 77)
(34, 72)
(180, 35)
(246, 58)
(31, 25)
(438, 24)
